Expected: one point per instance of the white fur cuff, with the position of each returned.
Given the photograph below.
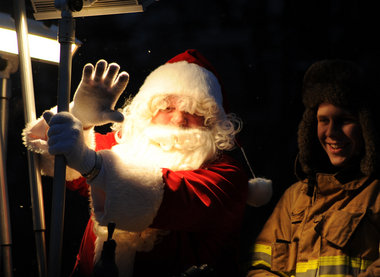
(133, 194)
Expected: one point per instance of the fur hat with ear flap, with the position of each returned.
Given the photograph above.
(341, 83)
(191, 74)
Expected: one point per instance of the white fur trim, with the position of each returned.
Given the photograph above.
(127, 243)
(34, 136)
(182, 78)
(133, 194)
(259, 192)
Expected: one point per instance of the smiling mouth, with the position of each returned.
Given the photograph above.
(335, 145)
(336, 148)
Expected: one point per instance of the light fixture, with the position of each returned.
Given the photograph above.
(43, 42)
(46, 9)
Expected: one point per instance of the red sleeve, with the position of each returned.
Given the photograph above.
(102, 142)
(194, 199)
(105, 141)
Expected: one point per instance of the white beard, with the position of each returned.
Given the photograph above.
(170, 147)
(154, 148)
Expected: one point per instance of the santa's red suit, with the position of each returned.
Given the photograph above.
(202, 210)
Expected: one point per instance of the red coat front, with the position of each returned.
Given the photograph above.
(201, 210)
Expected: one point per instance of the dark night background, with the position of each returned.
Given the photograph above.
(261, 50)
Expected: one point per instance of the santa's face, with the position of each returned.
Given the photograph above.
(174, 116)
(174, 137)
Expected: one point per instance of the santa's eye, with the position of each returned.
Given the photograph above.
(168, 109)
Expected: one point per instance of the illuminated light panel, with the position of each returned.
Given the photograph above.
(40, 48)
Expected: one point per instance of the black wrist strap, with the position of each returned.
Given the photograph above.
(96, 169)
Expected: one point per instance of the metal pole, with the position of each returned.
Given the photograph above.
(66, 38)
(30, 115)
(6, 238)
(5, 95)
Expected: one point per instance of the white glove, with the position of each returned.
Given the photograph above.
(97, 94)
(65, 137)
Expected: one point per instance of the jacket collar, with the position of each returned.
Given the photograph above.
(348, 179)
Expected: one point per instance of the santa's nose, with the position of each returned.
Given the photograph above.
(179, 119)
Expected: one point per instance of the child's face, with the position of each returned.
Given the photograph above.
(339, 133)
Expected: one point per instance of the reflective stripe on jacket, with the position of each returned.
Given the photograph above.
(334, 233)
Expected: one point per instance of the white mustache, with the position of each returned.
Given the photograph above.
(174, 138)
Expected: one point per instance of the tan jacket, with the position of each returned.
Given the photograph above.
(336, 232)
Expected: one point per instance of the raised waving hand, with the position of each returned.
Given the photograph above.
(96, 96)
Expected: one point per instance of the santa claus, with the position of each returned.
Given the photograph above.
(162, 174)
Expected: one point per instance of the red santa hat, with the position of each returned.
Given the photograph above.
(191, 74)
(187, 74)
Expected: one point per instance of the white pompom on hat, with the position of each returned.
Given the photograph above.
(259, 191)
